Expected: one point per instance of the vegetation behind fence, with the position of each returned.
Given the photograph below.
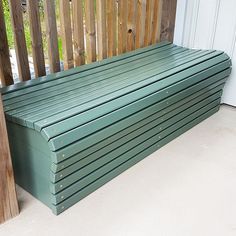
(78, 31)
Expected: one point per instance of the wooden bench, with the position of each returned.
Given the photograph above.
(73, 131)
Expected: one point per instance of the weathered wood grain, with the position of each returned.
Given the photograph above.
(8, 201)
(36, 38)
(78, 32)
(19, 38)
(52, 37)
(156, 24)
(140, 23)
(90, 30)
(112, 27)
(66, 34)
(122, 25)
(168, 20)
(101, 29)
(148, 23)
(131, 31)
(5, 64)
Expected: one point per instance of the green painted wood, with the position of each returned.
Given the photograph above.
(80, 132)
(85, 97)
(69, 184)
(97, 159)
(85, 143)
(88, 79)
(150, 122)
(109, 97)
(31, 161)
(74, 93)
(87, 125)
(96, 66)
(63, 105)
(57, 209)
(88, 105)
(140, 118)
(73, 90)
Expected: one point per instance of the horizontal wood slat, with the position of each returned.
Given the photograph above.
(120, 111)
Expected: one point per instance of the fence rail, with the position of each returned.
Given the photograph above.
(90, 30)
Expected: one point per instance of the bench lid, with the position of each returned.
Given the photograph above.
(68, 106)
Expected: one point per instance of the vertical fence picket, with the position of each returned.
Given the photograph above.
(19, 38)
(5, 64)
(131, 31)
(8, 200)
(78, 32)
(90, 30)
(66, 34)
(140, 23)
(168, 19)
(101, 29)
(122, 25)
(36, 38)
(111, 27)
(51, 27)
(156, 25)
(148, 23)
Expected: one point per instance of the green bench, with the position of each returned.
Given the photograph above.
(73, 131)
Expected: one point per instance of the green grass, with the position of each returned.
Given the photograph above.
(10, 34)
(8, 24)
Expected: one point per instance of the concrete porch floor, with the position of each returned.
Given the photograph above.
(186, 188)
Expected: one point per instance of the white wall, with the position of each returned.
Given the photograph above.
(208, 24)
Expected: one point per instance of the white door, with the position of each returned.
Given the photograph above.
(209, 24)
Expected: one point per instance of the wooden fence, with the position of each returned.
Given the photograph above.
(8, 202)
(90, 30)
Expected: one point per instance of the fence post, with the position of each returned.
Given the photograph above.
(66, 34)
(168, 20)
(131, 31)
(90, 30)
(36, 38)
(111, 27)
(122, 26)
(140, 22)
(78, 32)
(51, 26)
(156, 31)
(101, 28)
(5, 64)
(148, 23)
(19, 37)
(8, 201)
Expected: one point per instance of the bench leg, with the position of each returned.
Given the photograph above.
(8, 200)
